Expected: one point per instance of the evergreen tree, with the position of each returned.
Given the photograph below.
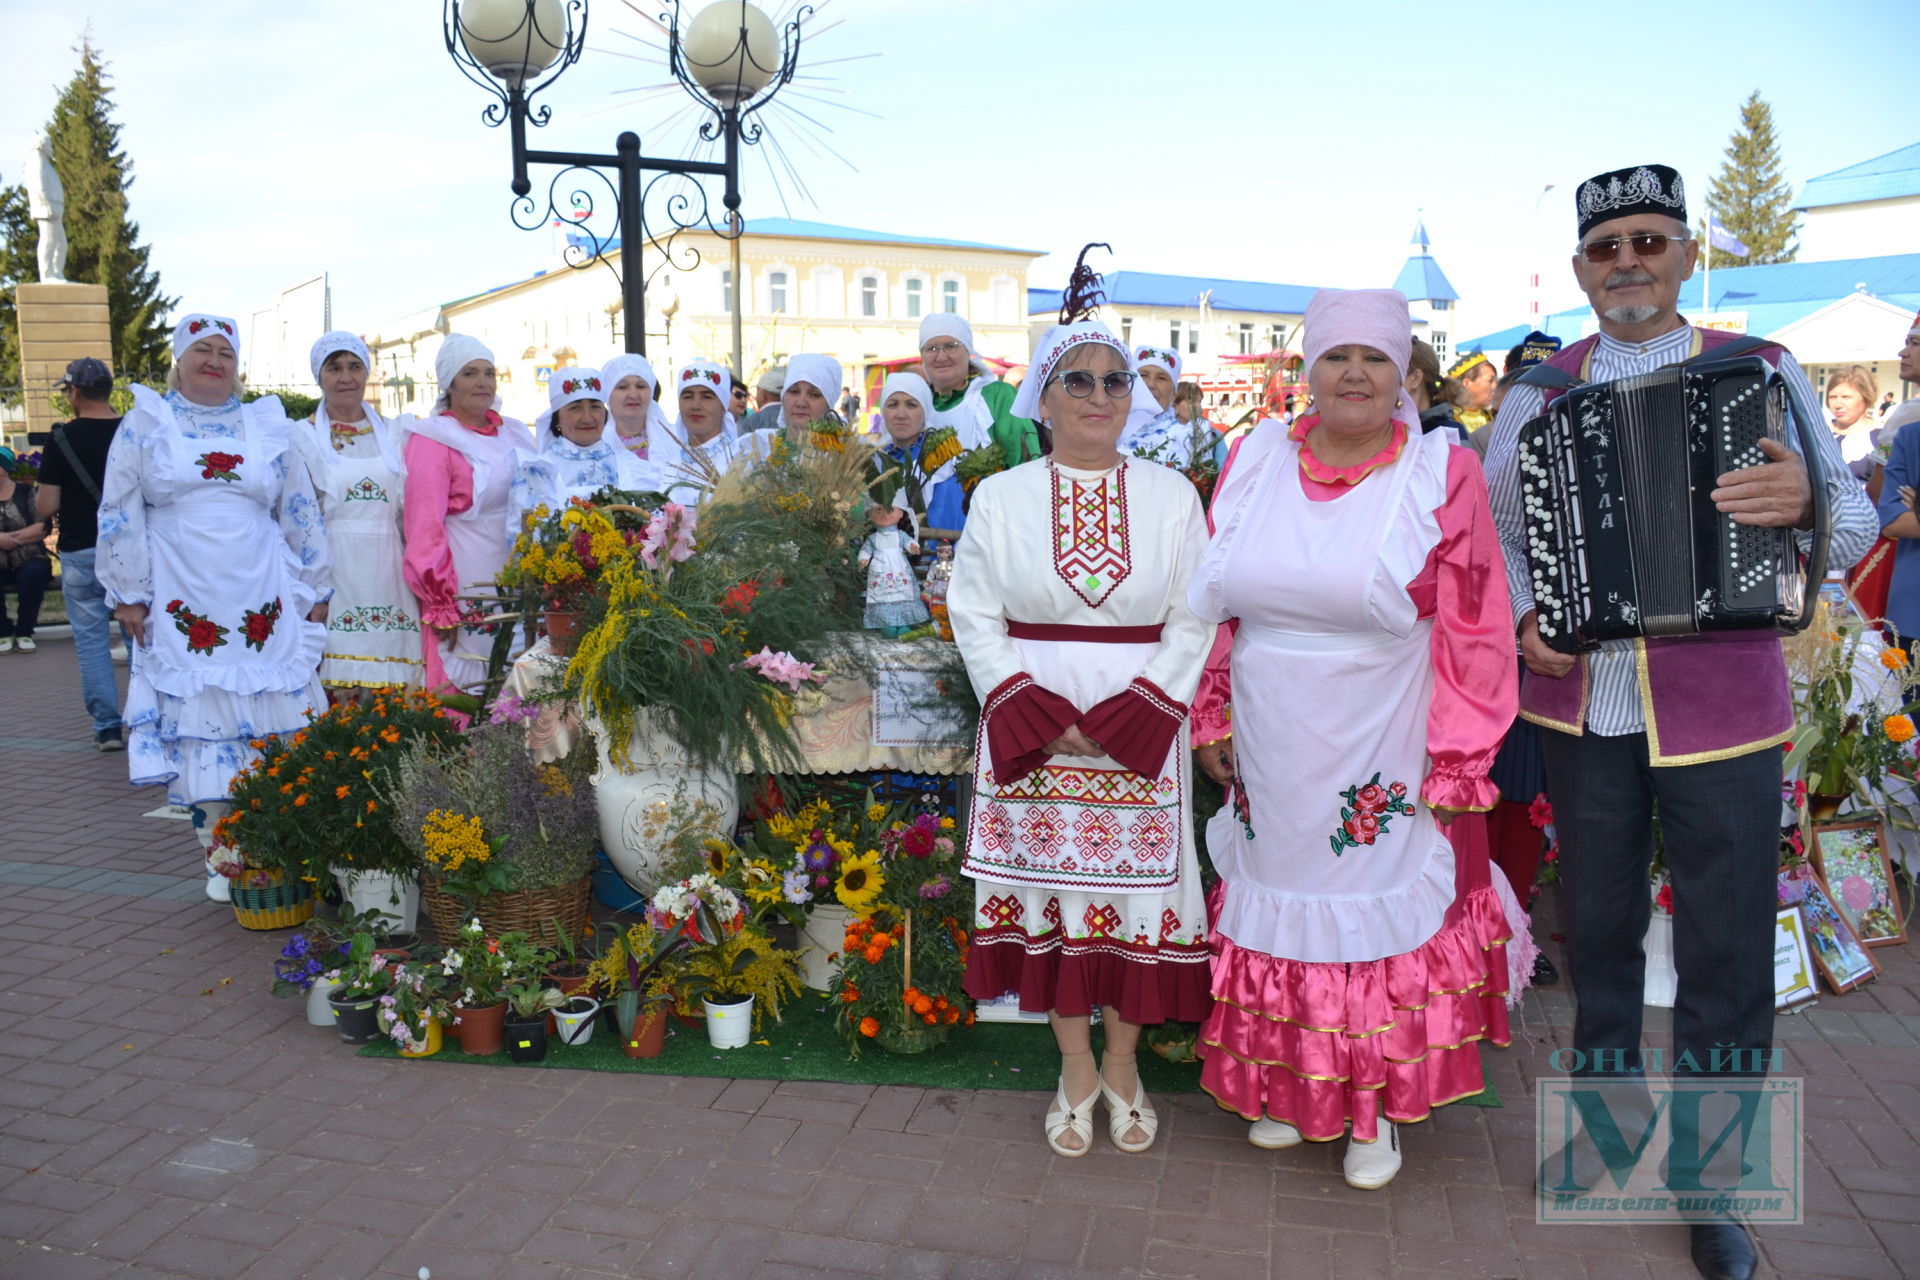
(19, 243)
(103, 242)
(1750, 197)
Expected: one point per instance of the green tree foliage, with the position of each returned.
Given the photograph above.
(1750, 196)
(19, 242)
(103, 241)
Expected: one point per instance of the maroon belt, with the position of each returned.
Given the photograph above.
(1083, 635)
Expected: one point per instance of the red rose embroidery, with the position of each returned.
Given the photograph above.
(258, 624)
(219, 466)
(204, 635)
(173, 606)
(1369, 810)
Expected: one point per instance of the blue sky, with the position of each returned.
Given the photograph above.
(1262, 141)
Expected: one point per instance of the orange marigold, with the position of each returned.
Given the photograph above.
(389, 734)
(340, 793)
(369, 806)
(869, 1026)
(1893, 659)
(286, 788)
(850, 995)
(299, 800)
(953, 1016)
(969, 1018)
(1898, 728)
(929, 1019)
(923, 1005)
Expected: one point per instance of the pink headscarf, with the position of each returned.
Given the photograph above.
(1374, 318)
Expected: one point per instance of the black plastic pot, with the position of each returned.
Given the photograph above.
(354, 1017)
(527, 1041)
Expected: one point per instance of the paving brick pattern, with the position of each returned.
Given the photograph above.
(162, 1116)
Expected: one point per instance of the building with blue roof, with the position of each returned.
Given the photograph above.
(1866, 209)
(1430, 295)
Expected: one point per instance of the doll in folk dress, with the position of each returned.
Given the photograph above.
(893, 594)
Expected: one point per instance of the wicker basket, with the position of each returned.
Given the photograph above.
(277, 904)
(529, 911)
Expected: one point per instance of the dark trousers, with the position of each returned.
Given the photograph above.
(29, 582)
(1721, 827)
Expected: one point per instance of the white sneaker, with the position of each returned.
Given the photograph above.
(25, 644)
(219, 888)
(1273, 1135)
(6, 644)
(118, 653)
(1371, 1165)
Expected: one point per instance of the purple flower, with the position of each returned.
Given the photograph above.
(820, 857)
(938, 887)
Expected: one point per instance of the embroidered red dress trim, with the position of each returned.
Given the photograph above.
(1090, 547)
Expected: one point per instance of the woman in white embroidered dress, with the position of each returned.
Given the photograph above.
(577, 458)
(214, 556)
(1360, 952)
(460, 468)
(1154, 431)
(355, 458)
(706, 441)
(1080, 837)
(633, 398)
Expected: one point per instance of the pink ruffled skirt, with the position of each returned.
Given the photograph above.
(1324, 1045)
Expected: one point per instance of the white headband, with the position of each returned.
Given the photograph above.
(201, 325)
(333, 342)
(1164, 357)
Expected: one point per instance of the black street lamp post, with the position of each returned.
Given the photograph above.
(728, 57)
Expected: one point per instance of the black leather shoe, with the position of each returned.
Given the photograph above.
(1544, 974)
(1722, 1251)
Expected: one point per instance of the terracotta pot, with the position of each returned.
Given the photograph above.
(563, 631)
(482, 1031)
(649, 1034)
(1822, 807)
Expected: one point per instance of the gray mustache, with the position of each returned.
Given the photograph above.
(1620, 278)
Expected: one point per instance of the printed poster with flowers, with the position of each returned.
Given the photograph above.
(1368, 813)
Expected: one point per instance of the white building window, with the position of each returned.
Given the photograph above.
(829, 293)
(869, 295)
(1173, 335)
(1126, 331)
(726, 289)
(1440, 347)
(1193, 340)
(916, 298)
(777, 292)
(950, 297)
(1246, 339)
(1005, 291)
(1439, 304)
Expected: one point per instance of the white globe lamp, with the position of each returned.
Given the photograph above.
(513, 39)
(729, 67)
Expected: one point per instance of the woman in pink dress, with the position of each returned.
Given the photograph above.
(1365, 678)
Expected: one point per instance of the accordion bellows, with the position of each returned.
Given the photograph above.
(1623, 538)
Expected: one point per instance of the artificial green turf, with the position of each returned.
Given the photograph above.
(805, 1046)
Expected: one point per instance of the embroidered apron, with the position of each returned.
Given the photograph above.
(228, 606)
(373, 632)
(1330, 696)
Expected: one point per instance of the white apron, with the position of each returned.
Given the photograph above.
(479, 537)
(971, 419)
(373, 628)
(1332, 680)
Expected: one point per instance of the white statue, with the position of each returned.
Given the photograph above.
(46, 205)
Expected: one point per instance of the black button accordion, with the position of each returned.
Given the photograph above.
(1623, 538)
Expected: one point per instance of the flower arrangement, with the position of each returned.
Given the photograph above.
(417, 996)
(744, 964)
(710, 629)
(474, 968)
(558, 557)
(1844, 743)
(316, 799)
(484, 820)
(319, 946)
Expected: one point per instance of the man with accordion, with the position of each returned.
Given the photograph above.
(1667, 497)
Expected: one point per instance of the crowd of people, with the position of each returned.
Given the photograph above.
(1345, 639)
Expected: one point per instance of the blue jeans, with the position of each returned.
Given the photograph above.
(92, 645)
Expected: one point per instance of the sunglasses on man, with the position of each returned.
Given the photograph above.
(1647, 244)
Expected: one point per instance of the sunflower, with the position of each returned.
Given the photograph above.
(762, 881)
(718, 855)
(860, 883)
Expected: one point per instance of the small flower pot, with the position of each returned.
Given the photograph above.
(575, 1021)
(649, 1034)
(430, 1044)
(729, 1026)
(563, 631)
(355, 1017)
(527, 1040)
(482, 1031)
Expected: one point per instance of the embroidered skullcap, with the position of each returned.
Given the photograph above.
(201, 325)
(1467, 363)
(1053, 347)
(1374, 318)
(334, 341)
(1646, 188)
(702, 373)
(457, 351)
(946, 324)
(564, 386)
(820, 372)
(1160, 357)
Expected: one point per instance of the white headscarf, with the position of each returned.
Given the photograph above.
(947, 324)
(823, 372)
(1163, 357)
(335, 340)
(200, 325)
(1053, 345)
(914, 385)
(564, 387)
(622, 367)
(457, 351)
(714, 377)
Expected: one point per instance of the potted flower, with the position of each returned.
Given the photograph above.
(529, 1000)
(501, 838)
(414, 1009)
(303, 966)
(1847, 739)
(633, 973)
(363, 977)
(311, 806)
(263, 896)
(738, 979)
(474, 969)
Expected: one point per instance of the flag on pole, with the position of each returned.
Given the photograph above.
(1722, 239)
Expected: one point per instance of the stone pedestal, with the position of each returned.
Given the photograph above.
(58, 323)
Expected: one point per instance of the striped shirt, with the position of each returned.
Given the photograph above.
(1613, 702)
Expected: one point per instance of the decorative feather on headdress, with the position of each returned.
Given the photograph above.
(1085, 289)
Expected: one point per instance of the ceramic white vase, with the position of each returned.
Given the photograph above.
(1662, 980)
(573, 1030)
(729, 1026)
(638, 799)
(395, 897)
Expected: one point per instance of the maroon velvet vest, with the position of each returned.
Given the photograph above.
(1703, 698)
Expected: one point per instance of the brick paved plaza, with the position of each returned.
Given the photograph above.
(163, 1115)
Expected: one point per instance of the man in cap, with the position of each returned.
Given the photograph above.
(1693, 724)
(72, 471)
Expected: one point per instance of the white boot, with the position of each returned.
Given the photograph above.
(219, 888)
(1371, 1165)
(1273, 1135)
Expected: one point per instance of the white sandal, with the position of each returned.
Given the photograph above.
(1123, 1116)
(1063, 1119)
